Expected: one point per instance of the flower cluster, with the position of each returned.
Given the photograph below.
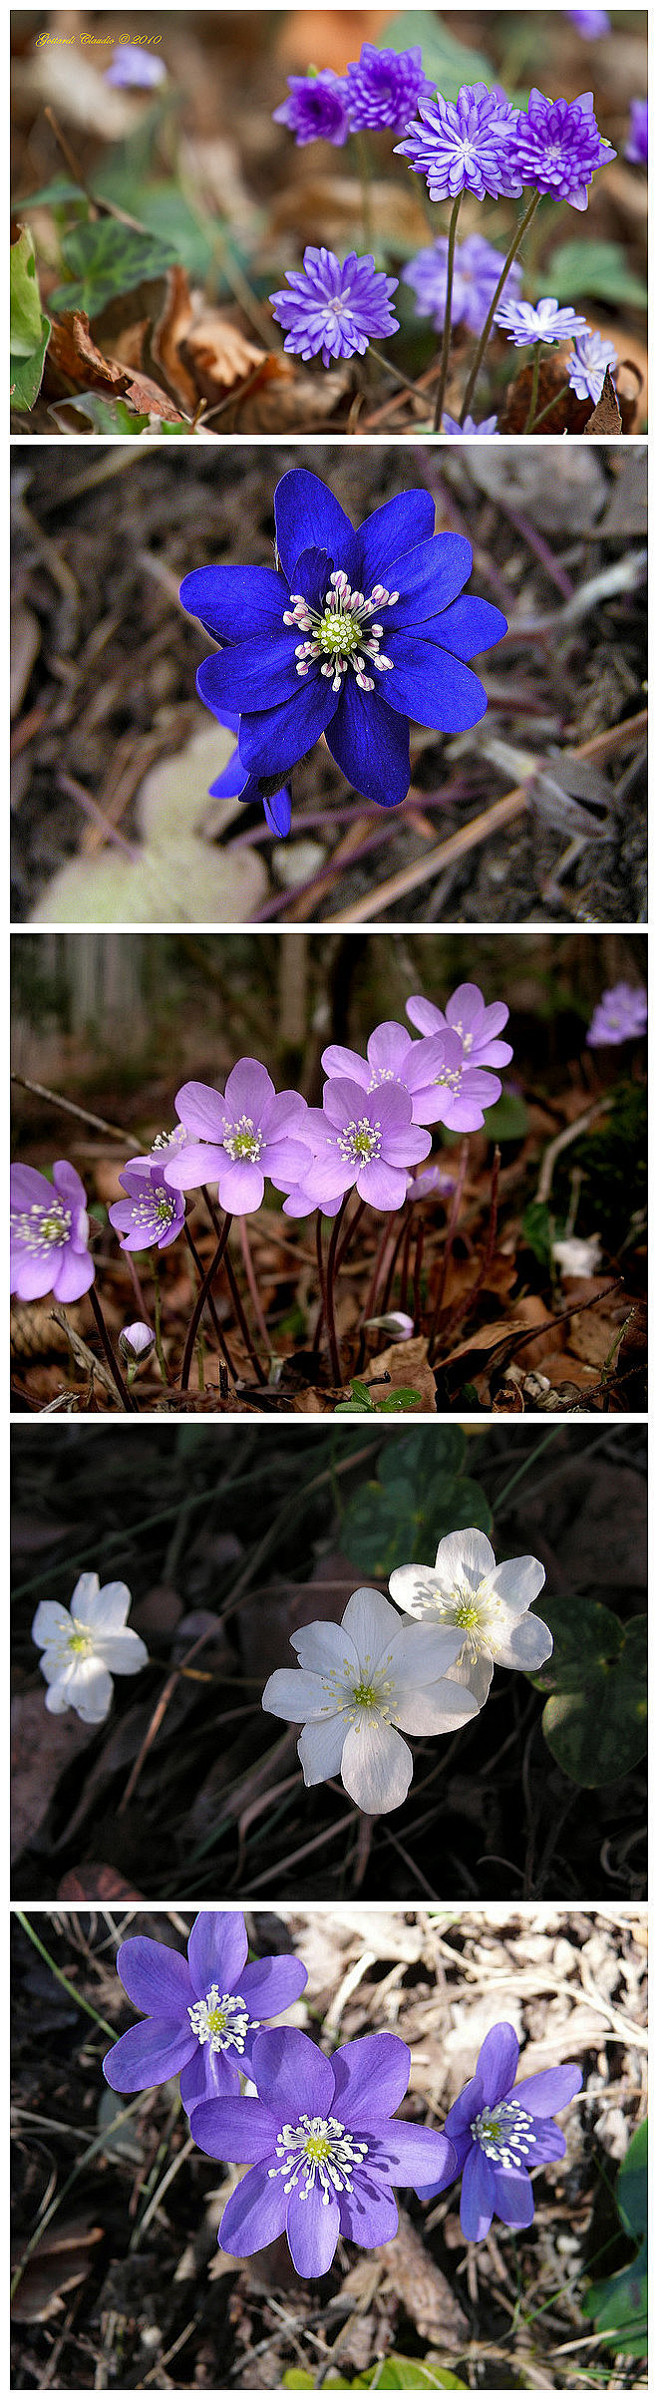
(620, 1015)
(360, 1685)
(133, 70)
(546, 322)
(379, 91)
(84, 1646)
(320, 2136)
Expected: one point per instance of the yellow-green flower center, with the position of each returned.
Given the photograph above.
(365, 1695)
(338, 633)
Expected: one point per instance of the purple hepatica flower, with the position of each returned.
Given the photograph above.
(431, 1181)
(49, 1234)
(136, 1342)
(152, 1213)
(368, 1143)
(384, 87)
(557, 146)
(587, 367)
(467, 1014)
(323, 2146)
(486, 425)
(334, 587)
(316, 110)
(445, 1088)
(477, 270)
(332, 308)
(637, 146)
(545, 322)
(203, 2012)
(620, 1015)
(238, 1140)
(133, 69)
(465, 145)
(591, 23)
(417, 1068)
(500, 2130)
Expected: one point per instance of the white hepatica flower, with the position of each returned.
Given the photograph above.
(355, 1685)
(485, 1603)
(84, 1646)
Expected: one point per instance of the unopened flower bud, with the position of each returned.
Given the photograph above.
(136, 1343)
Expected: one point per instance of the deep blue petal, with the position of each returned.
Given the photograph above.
(392, 530)
(233, 602)
(307, 517)
(431, 686)
(371, 744)
(311, 575)
(468, 627)
(250, 675)
(233, 783)
(278, 813)
(428, 579)
(272, 739)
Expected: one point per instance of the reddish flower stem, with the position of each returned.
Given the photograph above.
(120, 1387)
(447, 1254)
(221, 1337)
(200, 1302)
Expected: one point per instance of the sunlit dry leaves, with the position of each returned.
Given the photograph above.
(75, 355)
(59, 2263)
(328, 36)
(168, 334)
(177, 876)
(42, 1747)
(99, 1883)
(220, 354)
(426, 2296)
(329, 209)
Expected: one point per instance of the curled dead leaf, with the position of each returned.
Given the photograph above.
(73, 351)
(606, 417)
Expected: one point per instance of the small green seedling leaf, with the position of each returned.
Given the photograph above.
(106, 259)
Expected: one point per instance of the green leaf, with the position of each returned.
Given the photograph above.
(619, 2303)
(106, 259)
(55, 194)
(108, 416)
(508, 1120)
(596, 267)
(402, 1398)
(24, 302)
(26, 374)
(595, 1721)
(387, 1524)
(537, 1227)
(449, 62)
(424, 1453)
(387, 2375)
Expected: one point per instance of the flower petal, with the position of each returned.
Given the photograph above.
(235, 602)
(389, 1047)
(543, 2094)
(524, 1645)
(380, 1185)
(307, 517)
(242, 2130)
(468, 627)
(148, 2054)
(28, 1188)
(156, 1977)
(320, 1748)
(272, 739)
(518, 1581)
(106, 1609)
(370, 743)
(249, 1092)
(478, 2198)
(428, 579)
(389, 533)
(441, 1709)
(202, 1111)
(515, 2199)
(217, 1950)
(269, 1985)
(416, 2153)
(73, 1275)
(124, 1653)
(240, 1187)
(431, 686)
(294, 1693)
(312, 2226)
(368, 2214)
(371, 2078)
(346, 1063)
(497, 2063)
(90, 1691)
(285, 2064)
(371, 1623)
(376, 1766)
(251, 674)
(324, 1647)
(50, 1624)
(421, 1653)
(208, 2076)
(466, 1556)
(254, 2215)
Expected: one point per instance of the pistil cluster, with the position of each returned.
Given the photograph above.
(504, 2133)
(318, 2149)
(337, 631)
(221, 2020)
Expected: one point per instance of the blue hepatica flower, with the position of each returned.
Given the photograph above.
(500, 2130)
(202, 2013)
(351, 635)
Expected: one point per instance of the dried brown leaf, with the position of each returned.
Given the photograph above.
(606, 416)
(75, 354)
(424, 2292)
(42, 1747)
(169, 331)
(406, 1365)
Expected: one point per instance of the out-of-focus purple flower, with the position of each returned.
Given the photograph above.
(620, 1015)
(556, 146)
(384, 87)
(637, 146)
(166, 1146)
(361, 1141)
(323, 2146)
(316, 109)
(238, 1140)
(203, 2013)
(465, 145)
(134, 69)
(591, 23)
(486, 425)
(432, 1181)
(151, 1215)
(477, 270)
(334, 309)
(586, 369)
(303, 650)
(544, 322)
(467, 1014)
(136, 1342)
(49, 1234)
(501, 2130)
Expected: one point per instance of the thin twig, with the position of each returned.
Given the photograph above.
(125, 1396)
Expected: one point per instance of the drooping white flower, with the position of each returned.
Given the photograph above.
(359, 1681)
(485, 1603)
(84, 1646)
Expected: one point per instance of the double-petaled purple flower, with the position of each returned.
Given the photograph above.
(544, 322)
(361, 1142)
(203, 2013)
(49, 1234)
(466, 1013)
(322, 2144)
(556, 147)
(384, 87)
(465, 144)
(500, 2131)
(587, 366)
(423, 1069)
(487, 425)
(316, 109)
(152, 1214)
(353, 634)
(476, 273)
(237, 1140)
(620, 1015)
(334, 310)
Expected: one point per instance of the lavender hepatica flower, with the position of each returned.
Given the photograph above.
(620, 1015)
(465, 145)
(432, 1183)
(557, 147)
(359, 1686)
(432, 1072)
(591, 23)
(362, 1142)
(544, 322)
(467, 1014)
(203, 2012)
(316, 109)
(152, 1214)
(384, 87)
(345, 611)
(334, 310)
(501, 2130)
(84, 1646)
(237, 1140)
(487, 425)
(322, 2144)
(49, 1234)
(487, 1605)
(637, 146)
(587, 367)
(134, 69)
(477, 270)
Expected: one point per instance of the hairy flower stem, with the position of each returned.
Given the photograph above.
(340, 1254)
(545, 412)
(396, 372)
(447, 321)
(157, 1317)
(241, 1320)
(404, 1265)
(418, 1264)
(373, 1286)
(490, 1244)
(522, 229)
(447, 1254)
(117, 1378)
(334, 1352)
(393, 1260)
(221, 1337)
(253, 1286)
(364, 166)
(534, 388)
(199, 1305)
